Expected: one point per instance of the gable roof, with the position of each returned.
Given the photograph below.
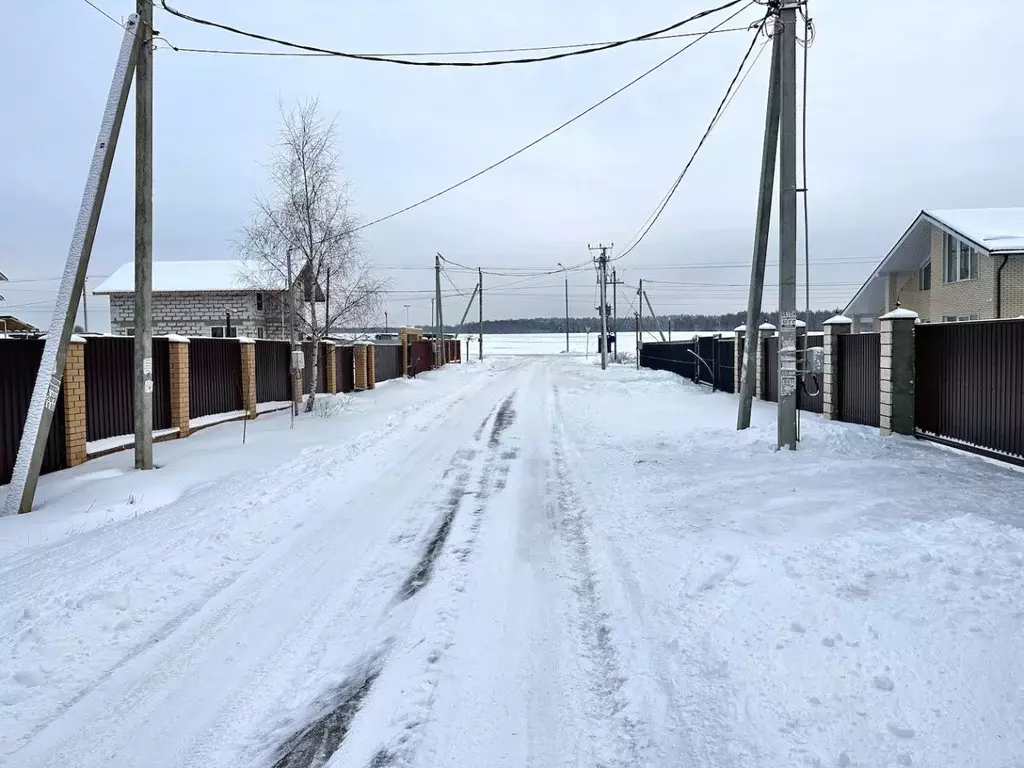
(991, 230)
(194, 277)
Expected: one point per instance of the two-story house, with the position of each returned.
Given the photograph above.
(206, 298)
(950, 266)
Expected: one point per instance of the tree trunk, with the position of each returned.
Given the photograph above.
(314, 376)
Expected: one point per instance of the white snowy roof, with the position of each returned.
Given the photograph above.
(994, 229)
(193, 276)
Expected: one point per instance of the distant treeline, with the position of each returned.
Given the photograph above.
(724, 322)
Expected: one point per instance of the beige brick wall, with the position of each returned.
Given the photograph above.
(332, 369)
(1013, 286)
(248, 352)
(371, 366)
(910, 297)
(74, 404)
(359, 353)
(179, 387)
(968, 297)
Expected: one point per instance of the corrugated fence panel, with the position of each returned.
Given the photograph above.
(421, 355)
(273, 362)
(321, 373)
(807, 402)
(705, 367)
(214, 376)
(970, 384)
(770, 370)
(724, 362)
(344, 368)
(110, 386)
(19, 363)
(674, 356)
(859, 362)
(389, 361)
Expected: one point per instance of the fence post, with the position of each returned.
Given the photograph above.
(247, 349)
(739, 332)
(371, 366)
(896, 386)
(403, 340)
(764, 331)
(834, 327)
(178, 353)
(74, 402)
(332, 369)
(359, 353)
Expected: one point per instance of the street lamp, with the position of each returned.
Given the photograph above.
(385, 322)
(566, 272)
(406, 315)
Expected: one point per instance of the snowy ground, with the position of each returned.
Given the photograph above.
(528, 562)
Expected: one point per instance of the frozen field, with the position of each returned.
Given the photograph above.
(554, 343)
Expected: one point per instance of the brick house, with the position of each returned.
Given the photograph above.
(205, 298)
(950, 266)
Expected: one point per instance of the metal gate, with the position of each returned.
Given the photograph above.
(724, 371)
(859, 374)
(344, 368)
(770, 370)
(969, 387)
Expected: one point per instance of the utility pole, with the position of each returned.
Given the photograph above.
(439, 351)
(85, 303)
(385, 322)
(566, 307)
(144, 239)
(636, 319)
(769, 151)
(406, 314)
(602, 268)
(480, 306)
(615, 311)
(640, 317)
(787, 429)
(292, 365)
(51, 366)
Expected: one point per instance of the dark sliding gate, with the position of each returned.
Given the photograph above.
(859, 364)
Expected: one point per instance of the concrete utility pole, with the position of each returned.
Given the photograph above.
(787, 428)
(752, 342)
(51, 366)
(480, 337)
(602, 279)
(640, 317)
(85, 303)
(566, 307)
(636, 319)
(144, 240)
(654, 316)
(439, 339)
(615, 311)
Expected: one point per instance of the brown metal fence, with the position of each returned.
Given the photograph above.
(19, 363)
(421, 355)
(770, 370)
(969, 387)
(273, 363)
(859, 365)
(214, 376)
(110, 386)
(388, 361)
(344, 368)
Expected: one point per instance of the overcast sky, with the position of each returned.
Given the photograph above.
(912, 104)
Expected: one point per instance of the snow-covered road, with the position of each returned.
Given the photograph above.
(524, 563)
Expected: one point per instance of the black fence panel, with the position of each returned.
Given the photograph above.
(859, 375)
(770, 370)
(705, 369)
(273, 363)
(344, 368)
(321, 373)
(389, 361)
(724, 365)
(969, 385)
(810, 394)
(214, 377)
(675, 356)
(19, 363)
(110, 386)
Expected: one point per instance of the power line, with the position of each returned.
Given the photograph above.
(478, 52)
(653, 218)
(550, 133)
(432, 63)
(96, 7)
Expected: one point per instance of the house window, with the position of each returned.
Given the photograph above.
(221, 332)
(961, 260)
(261, 332)
(129, 331)
(924, 277)
(958, 318)
(259, 302)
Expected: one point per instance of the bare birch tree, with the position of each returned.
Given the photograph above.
(308, 210)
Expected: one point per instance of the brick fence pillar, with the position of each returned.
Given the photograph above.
(371, 366)
(74, 402)
(764, 331)
(247, 348)
(739, 333)
(332, 369)
(359, 353)
(896, 386)
(178, 347)
(834, 328)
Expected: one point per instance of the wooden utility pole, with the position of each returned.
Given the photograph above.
(51, 366)
(480, 306)
(752, 342)
(143, 395)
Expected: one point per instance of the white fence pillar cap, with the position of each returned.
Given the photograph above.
(740, 329)
(766, 327)
(838, 320)
(900, 314)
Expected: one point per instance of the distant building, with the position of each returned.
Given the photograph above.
(11, 326)
(206, 298)
(950, 266)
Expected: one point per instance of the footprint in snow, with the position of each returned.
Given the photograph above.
(900, 731)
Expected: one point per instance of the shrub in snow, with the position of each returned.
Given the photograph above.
(327, 406)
